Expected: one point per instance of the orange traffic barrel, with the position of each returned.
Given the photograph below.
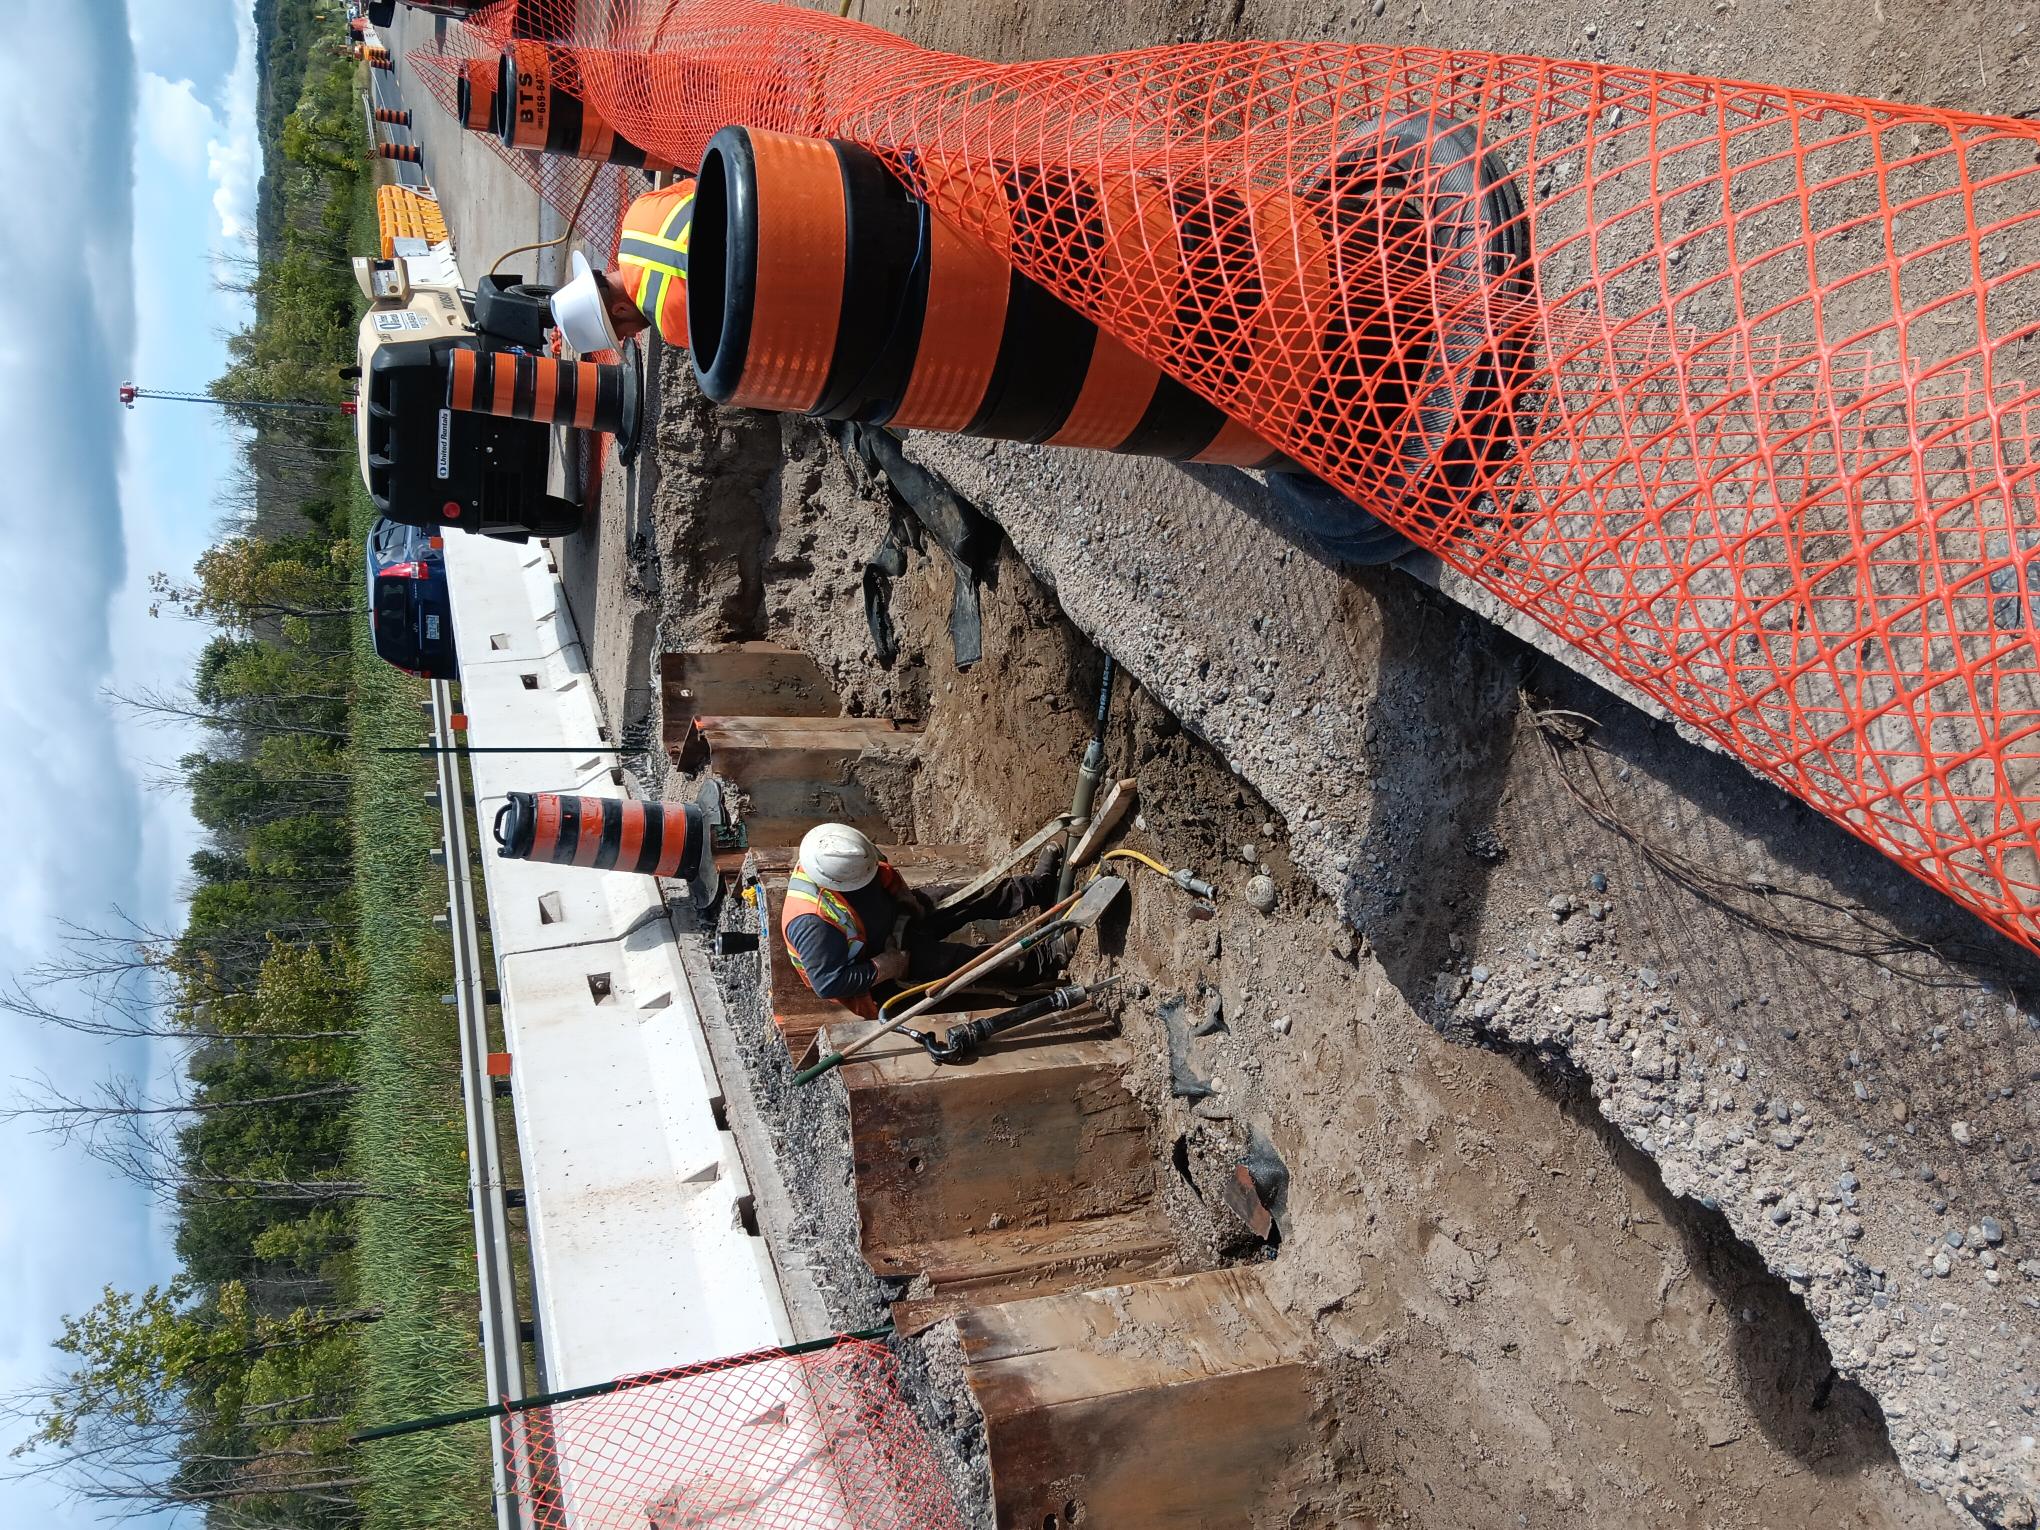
(396, 116)
(588, 395)
(474, 95)
(407, 152)
(660, 839)
(818, 284)
(534, 111)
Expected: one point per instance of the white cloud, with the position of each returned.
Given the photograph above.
(95, 499)
(234, 157)
(170, 117)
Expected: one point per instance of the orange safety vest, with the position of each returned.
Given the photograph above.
(651, 253)
(804, 895)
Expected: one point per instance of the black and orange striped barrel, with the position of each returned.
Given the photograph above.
(818, 284)
(588, 395)
(395, 116)
(406, 152)
(658, 839)
(534, 110)
(474, 95)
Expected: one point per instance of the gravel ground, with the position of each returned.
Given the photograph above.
(809, 1130)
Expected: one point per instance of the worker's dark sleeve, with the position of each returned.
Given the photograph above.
(825, 951)
(1003, 900)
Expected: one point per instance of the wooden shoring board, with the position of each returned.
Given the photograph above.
(740, 680)
(1025, 1170)
(1170, 1402)
(1011, 1263)
(919, 864)
(1037, 1128)
(744, 750)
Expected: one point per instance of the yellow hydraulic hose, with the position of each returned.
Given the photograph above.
(1134, 855)
(1192, 885)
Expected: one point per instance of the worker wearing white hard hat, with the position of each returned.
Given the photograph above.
(599, 310)
(854, 929)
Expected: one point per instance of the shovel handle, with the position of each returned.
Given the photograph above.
(810, 1074)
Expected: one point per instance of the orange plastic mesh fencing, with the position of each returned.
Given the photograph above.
(819, 1441)
(1730, 386)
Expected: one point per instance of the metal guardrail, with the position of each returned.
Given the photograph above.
(502, 1360)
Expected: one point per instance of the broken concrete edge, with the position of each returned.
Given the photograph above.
(1427, 568)
(806, 1310)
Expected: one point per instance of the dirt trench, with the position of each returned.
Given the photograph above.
(1522, 1324)
(1762, 1034)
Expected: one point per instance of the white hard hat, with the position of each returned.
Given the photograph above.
(838, 857)
(580, 313)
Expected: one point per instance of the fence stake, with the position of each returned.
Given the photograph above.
(601, 1388)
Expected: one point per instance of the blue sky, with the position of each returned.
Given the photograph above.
(133, 164)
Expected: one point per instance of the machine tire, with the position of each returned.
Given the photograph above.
(518, 313)
(557, 518)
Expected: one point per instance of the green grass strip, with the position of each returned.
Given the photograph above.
(415, 1251)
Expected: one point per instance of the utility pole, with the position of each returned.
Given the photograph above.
(129, 393)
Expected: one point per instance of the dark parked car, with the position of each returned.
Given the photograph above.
(409, 611)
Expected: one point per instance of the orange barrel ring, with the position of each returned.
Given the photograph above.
(818, 283)
(518, 385)
(658, 839)
(765, 269)
(532, 110)
(474, 95)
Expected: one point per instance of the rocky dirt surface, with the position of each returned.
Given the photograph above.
(809, 1133)
(1713, 1024)
(1526, 862)
(1795, 1034)
(1522, 1319)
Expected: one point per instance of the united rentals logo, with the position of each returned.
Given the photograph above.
(445, 439)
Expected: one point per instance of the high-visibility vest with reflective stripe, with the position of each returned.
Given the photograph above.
(652, 255)
(804, 895)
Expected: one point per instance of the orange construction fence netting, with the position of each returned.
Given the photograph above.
(1732, 387)
(771, 1441)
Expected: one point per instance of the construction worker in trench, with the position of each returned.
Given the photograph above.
(856, 931)
(645, 289)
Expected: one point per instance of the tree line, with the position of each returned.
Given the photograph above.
(227, 1389)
